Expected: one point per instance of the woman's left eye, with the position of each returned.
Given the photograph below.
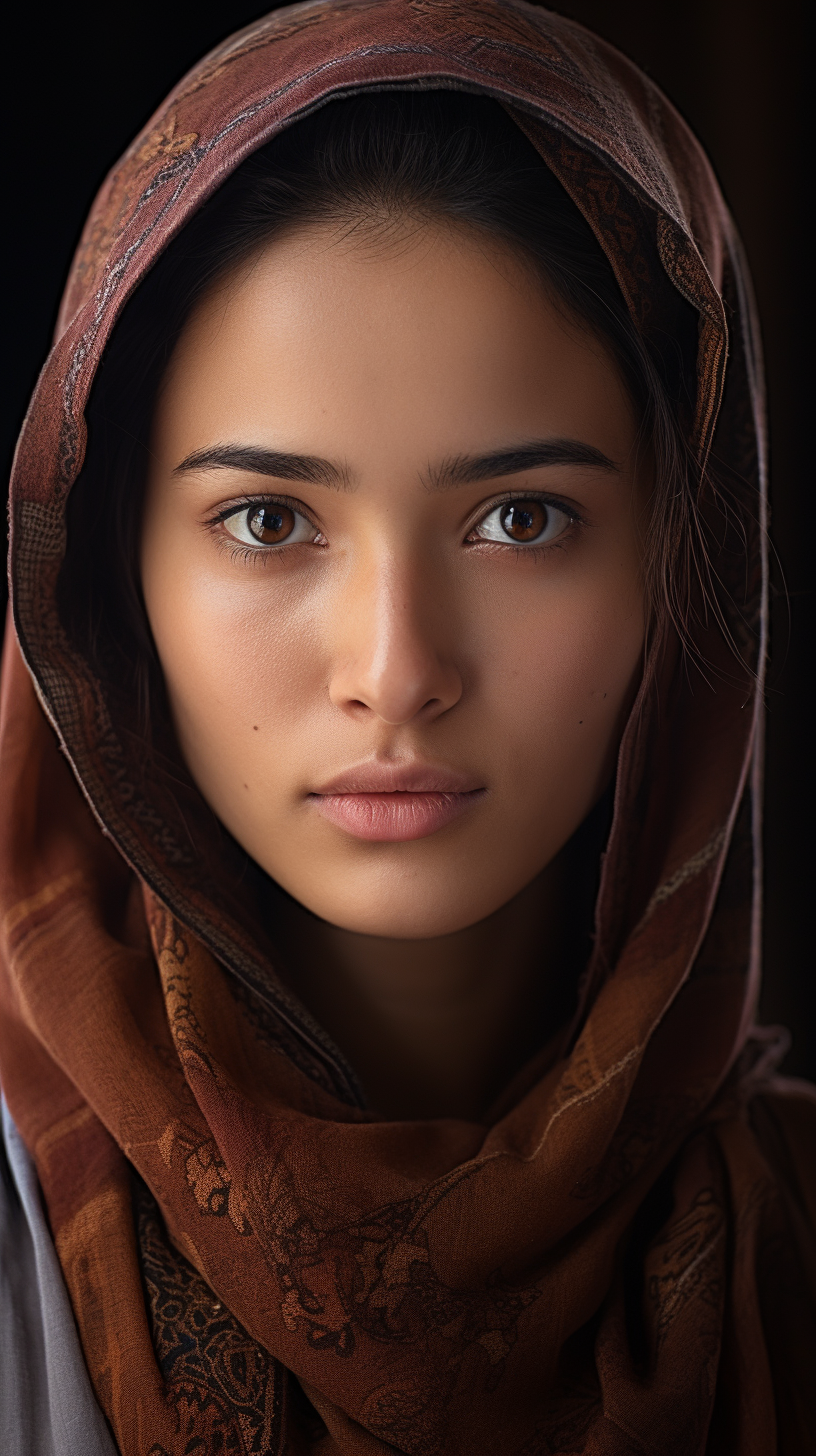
(523, 523)
(269, 523)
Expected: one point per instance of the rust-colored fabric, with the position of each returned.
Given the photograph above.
(625, 1260)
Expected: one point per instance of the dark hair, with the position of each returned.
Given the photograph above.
(369, 161)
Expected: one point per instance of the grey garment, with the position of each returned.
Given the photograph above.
(47, 1404)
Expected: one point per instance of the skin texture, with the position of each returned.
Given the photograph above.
(393, 634)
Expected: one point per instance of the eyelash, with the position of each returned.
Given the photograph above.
(237, 550)
(243, 502)
(534, 552)
(251, 554)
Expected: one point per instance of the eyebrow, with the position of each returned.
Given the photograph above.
(258, 460)
(465, 469)
(455, 471)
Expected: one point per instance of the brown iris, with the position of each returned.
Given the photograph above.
(524, 520)
(270, 524)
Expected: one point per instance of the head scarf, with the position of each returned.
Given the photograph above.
(257, 1262)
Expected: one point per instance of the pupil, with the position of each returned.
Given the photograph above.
(524, 520)
(271, 523)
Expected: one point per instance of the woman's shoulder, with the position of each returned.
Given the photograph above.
(47, 1404)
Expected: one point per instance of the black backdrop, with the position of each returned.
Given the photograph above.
(79, 80)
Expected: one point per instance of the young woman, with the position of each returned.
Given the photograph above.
(381, 743)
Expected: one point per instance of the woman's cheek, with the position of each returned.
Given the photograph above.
(562, 684)
(243, 673)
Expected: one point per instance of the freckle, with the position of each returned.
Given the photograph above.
(246, 786)
(255, 726)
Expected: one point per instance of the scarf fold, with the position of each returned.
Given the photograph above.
(624, 1261)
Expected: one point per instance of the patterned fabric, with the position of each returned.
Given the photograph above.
(46, 1397)
(226, 1389)
(624, 1261)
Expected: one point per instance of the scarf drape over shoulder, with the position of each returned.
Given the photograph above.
(624, 1261)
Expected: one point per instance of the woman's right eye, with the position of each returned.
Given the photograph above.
(269, 523)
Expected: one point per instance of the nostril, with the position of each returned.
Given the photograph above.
(390, 681)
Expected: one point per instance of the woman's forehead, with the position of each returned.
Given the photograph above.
(445, 347)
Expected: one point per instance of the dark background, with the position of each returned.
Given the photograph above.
(80, 80)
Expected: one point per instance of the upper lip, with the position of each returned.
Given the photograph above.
(379, 777)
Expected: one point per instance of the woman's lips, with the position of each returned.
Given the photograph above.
(389, 802)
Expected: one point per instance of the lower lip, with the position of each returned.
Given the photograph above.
(394, 817)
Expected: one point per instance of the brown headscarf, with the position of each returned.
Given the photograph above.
(623, 1261)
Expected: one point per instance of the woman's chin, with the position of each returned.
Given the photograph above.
(419, 909)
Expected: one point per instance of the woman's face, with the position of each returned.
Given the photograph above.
(391, 562)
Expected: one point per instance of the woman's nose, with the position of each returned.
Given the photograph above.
(391, 648)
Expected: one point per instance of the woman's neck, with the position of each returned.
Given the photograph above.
(437, 1028)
